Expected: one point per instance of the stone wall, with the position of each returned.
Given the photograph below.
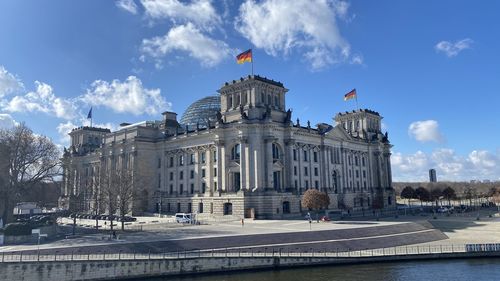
(127, 269)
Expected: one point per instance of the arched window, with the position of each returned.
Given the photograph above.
(229, 102)
(236, 152)
(276, 151)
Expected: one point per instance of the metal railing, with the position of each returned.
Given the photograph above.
(258, 253)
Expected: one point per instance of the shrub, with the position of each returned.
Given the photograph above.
(17, 229)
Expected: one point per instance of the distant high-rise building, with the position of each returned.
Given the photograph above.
(432, 175)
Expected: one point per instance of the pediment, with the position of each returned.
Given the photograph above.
(338, 132)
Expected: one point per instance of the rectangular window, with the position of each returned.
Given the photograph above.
(296, 184)
(294, 170)
(306, 171)
(357, 174)
(316, 184)
(356, 160)
(159, 181)
(305, 155)
(202, 173)
(171, 176)
(315, 156)
(364, 174)
(203, 157)
(159, 163)
(307, 184)
(215, 172)
(215, 185)
(181, 160)
(277, 180)
(181, 175)
(171, 189)
(363, 161)
(295, 155)
(171, 162)
(192, 188)
(349, 159)
(215, 156)
(203, 187)
(315, 171)
(192, 174)
(350, 173)
(181, 188)
(191, 159)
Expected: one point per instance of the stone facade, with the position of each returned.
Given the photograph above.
(251, 161)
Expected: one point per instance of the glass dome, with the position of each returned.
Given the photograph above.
(200, 112)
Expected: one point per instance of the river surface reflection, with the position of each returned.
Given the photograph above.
(438, 270)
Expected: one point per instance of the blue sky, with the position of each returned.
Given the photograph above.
(431, 68)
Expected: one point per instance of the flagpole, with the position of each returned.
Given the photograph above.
(252, 63)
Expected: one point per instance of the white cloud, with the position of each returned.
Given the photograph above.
(42, 100)
(282, 26)
(478, 164)
(126, 97)
(200, 12)
(127, 5)
(6, 121)
(357, 59)
(452, 49)
(425, 131)
(8, 82)
(187, 38)
(64, 129)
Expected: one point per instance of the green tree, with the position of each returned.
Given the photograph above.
(422, 194)
(408, 193)
(435, 195)
(449, 194)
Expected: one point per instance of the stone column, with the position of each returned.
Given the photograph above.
(243, 162)
(209, 179)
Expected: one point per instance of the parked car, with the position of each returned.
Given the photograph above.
(183, 217)
(443, 210)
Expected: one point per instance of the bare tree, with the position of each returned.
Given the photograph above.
(98, 200)
(125, 192)
(30, 159)
(109, 192)
(314, 199)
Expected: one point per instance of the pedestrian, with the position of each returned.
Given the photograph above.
(242, 222)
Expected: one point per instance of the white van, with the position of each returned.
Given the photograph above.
(184, 217)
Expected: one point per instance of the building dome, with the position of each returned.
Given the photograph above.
(201, 111)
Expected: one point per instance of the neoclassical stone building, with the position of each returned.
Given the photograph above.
(248, 160)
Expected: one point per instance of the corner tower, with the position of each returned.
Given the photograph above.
(254, 98)
(363, 123)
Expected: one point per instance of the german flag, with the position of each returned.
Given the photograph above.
(246, 56)
(350, 95)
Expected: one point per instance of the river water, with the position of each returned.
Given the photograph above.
(436, 270)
